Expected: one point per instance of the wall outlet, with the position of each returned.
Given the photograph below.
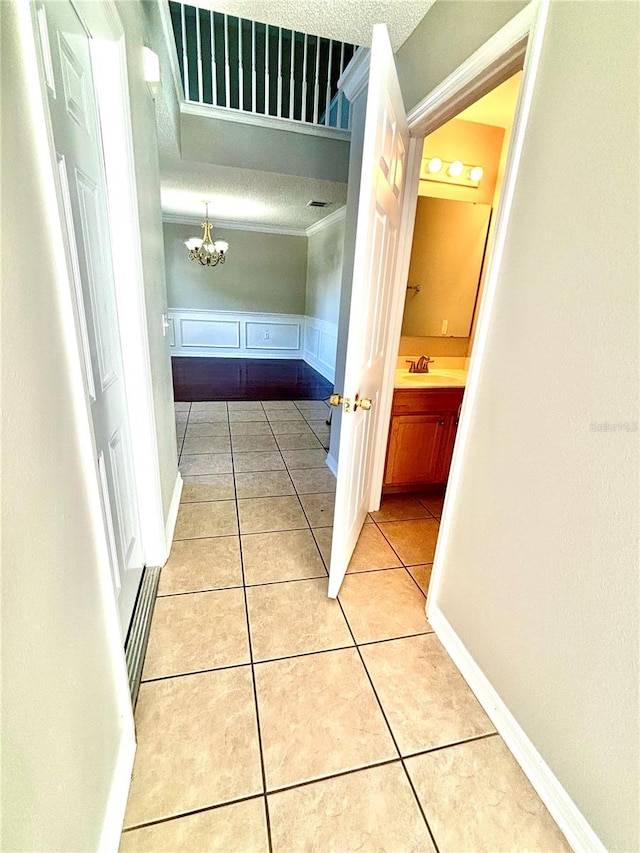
(445, 327)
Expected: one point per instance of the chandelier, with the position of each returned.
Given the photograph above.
(203, 250)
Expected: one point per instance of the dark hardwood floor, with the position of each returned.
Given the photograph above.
(197, 379)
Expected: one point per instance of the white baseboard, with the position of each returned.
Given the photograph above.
(172, 515)
(118, 795)
(563, 810)
(332, 464)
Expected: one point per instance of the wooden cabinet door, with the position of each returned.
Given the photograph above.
(451, 430)
(416, 443)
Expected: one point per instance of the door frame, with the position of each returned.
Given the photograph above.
(517, 45)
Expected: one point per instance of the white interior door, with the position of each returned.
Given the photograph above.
(385, 145)
(66, 68)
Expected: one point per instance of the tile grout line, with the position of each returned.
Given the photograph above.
(186, 426)
(305, 783)
(180, 815)
(384, 716)
(253, 678)
(289, 657)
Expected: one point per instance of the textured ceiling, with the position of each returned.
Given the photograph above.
(244, 195)
(337, 19)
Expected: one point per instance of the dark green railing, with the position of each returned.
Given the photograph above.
(261, 69)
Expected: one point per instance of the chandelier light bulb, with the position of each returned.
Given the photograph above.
(434, 165)
(455, 169)
(476, 173)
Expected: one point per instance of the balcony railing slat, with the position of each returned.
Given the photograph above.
(292, 64)
(199, 58)
(185, 61)
(303, 111)
(327, 108)
(279, 72)
(316, 83)
(260, 69)
(253, 67)
(227, 82)
(340, 98)
(214, 63)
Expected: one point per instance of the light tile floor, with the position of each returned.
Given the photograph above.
(271, 718)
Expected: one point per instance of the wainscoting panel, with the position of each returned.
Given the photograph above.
(221, 334)
(281, 336)
(226, 334)
(320, 345)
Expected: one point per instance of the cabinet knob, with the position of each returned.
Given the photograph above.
(440, 423)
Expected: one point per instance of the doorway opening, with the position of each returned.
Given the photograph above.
(461, 178)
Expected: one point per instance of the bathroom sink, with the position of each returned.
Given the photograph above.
(434, 379)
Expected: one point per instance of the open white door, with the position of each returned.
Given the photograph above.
(386, 139)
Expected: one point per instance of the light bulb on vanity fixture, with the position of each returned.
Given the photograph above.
(203, 249)
(451, 172)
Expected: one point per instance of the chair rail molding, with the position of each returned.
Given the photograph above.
(248, 334)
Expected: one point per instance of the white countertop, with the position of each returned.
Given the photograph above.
(435, 378)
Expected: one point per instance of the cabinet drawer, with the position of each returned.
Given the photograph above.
(407, 401)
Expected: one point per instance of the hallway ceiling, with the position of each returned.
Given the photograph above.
(337, 19)
(246, 195)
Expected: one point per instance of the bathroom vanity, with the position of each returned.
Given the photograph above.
(424, 422)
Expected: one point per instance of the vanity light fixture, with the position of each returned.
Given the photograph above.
(203, 250)
(451, 172)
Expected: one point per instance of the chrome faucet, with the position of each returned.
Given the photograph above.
(422, 366)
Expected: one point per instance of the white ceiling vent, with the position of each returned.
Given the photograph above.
(316, 203)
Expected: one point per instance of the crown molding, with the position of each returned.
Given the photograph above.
(355, 77)
(336, 216)
(185, 219)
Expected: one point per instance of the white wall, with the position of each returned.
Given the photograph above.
(264, 272)
(453, 30)
(325, 254)
(236, 144)
(147, 167)
(540, 576)
(63, 672)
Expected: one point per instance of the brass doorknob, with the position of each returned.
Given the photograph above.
(339, 400)
(365, 403)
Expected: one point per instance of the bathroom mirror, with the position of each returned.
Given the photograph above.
(446, 263)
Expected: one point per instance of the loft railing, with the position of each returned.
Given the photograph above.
(261, 69)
